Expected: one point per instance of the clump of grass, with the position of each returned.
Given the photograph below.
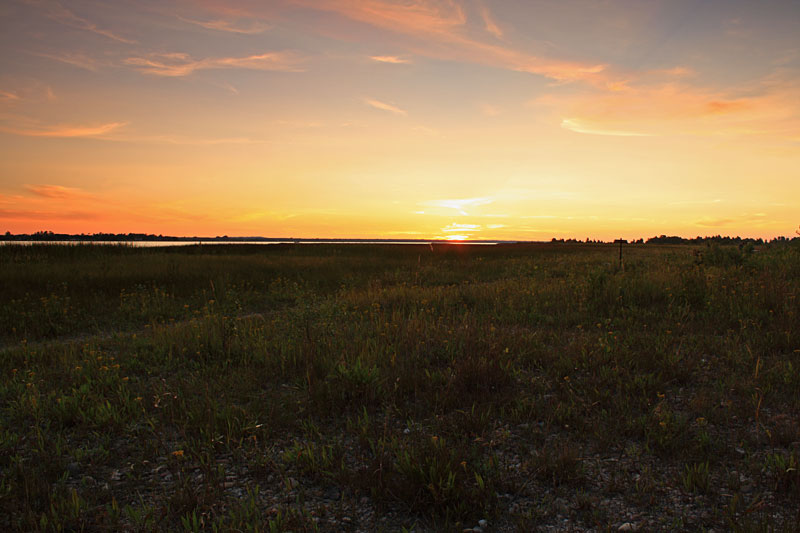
(696, 477)
(785, 470)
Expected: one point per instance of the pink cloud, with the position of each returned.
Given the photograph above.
(57, 191)
(179, 64)
(65, 131)
(383, 106)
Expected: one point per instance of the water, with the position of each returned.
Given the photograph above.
(158, 244)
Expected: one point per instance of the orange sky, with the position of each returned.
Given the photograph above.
(401, 119)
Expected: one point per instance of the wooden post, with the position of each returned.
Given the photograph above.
(620, 254)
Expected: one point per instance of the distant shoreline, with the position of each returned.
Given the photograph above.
(155, 240)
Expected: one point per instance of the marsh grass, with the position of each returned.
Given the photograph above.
(204, 388)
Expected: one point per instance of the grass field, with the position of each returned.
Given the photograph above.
(368, 388)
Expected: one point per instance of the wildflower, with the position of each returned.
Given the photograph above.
(177, 453)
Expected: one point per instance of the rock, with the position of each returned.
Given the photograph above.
(477, 529)
(483, 523)
(627, 526)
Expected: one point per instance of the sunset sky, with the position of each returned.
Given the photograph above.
(480, 119)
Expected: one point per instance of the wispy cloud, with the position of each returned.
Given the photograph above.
(767, 108)
(56, 11)
(490, 110)
(180, 64)
(396, 60)
(461, 205)
(38, 214)
(76, 59)
(6, 97)
(189, 141)
(749, 219)
(698, 202)
(440, 28)
(377, 104)
(489, 23)
(65, 131)
(57, 191)
(581, 126)
(253, 27)
(455, 227)
(720, 107)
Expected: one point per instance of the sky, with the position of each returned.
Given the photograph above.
(454, 119)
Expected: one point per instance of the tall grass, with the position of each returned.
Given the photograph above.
(212, 387)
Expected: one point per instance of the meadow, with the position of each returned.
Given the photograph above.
(386, 388)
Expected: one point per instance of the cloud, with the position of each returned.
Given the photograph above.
(580, 126)
(750, 219)
(377, 104)
(489, 23)
(391, 59)
(56, 191)
(490, 110)
(459, 205)
(254, 27)
(461, 227)
(698, 202)
(440, 28)
(35, 214)
(65, 131)
(76, 59)
(179, 64)
(6, 97)
(190, 141)
(57, 12)
(674, 71)
(767, 108)
(420, 16)
(718, 107)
